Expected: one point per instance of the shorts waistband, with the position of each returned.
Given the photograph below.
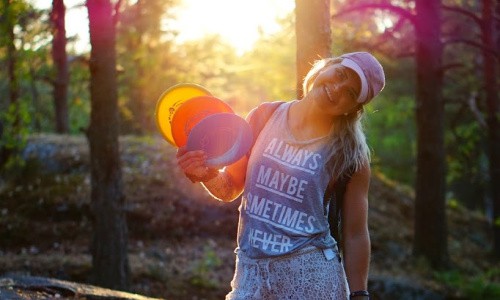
(328, 253)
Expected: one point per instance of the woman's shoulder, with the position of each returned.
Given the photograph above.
(265, 109)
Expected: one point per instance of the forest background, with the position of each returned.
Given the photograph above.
(40, 97)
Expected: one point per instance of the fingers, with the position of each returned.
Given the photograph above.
(193, 165)
(180, 151)
(191, 162)
(191, 157)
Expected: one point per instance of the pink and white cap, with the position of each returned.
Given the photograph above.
(370, 73)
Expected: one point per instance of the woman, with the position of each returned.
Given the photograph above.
(285, 250)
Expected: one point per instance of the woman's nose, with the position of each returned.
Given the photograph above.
(335, 86)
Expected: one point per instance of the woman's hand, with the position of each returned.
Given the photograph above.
(225, 185)
(193, 164)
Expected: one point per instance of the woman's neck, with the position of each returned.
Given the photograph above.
(308, 121)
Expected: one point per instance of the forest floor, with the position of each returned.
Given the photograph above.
(181, 241)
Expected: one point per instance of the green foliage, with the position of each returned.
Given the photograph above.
(205, 267)
(151, 59)
(78, 98)
(482, 286)
(30, 57)
(268, 73)
(210, 62)
(465, 137)
(157, 272)
(467, 162)
(146, 69)
(390, 125)
(453, 204)
(13, 138)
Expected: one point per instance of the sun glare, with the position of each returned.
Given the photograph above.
(236, 21)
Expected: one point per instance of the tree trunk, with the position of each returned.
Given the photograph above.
(11, 61)
(109, 243)
(493, 115)
(61, 65)
(35, 96)
(497, 31)
(430, 214)
(136, 105)
(13, 86)
(313, 35)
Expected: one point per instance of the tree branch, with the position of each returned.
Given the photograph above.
(475, 110)
(404, 13)
(390, 32)
(469, 14)
(464, 12)
(471, 43)
(47, 79)
(451, 66)
(79, 59)
(116, 15)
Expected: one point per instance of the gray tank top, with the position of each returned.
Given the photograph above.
(282, 206)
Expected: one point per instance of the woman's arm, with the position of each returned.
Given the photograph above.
(355, 235)
(230, 181)
(225, 184)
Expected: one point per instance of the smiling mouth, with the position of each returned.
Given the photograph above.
(328, 93)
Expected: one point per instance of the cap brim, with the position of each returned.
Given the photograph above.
(364, 83)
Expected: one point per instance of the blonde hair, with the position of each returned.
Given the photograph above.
(348, 141)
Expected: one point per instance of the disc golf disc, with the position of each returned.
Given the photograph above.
(225, 138)
(191, 112)
(170, 101)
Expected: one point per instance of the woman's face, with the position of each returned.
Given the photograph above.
(337, 88)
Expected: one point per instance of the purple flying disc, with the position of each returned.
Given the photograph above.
(225, 138)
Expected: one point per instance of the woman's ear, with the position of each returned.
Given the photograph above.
(358, 110)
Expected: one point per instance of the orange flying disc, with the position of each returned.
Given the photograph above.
(191, 112)
(170, 101)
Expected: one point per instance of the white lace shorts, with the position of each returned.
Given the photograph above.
(304, 275)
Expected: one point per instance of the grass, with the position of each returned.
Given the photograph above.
(484, 285)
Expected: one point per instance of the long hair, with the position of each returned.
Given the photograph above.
(347, 144)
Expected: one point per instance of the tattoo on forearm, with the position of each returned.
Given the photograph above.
(221, 187)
